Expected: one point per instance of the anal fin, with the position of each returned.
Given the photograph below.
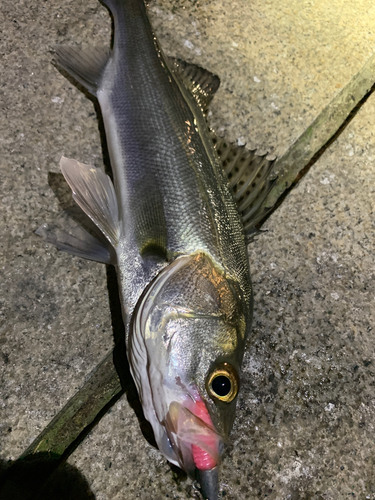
(86, 66)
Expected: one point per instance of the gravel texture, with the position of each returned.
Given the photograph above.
(306, 413)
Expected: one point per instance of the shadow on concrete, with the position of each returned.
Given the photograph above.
(42, 477)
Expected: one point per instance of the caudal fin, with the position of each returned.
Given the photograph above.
(117, 6)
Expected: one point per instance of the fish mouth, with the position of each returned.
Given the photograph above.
(196, 443)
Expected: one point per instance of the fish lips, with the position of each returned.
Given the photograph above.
(196, 442)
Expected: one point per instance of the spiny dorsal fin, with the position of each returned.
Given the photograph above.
(249, 179)
(94, 192)
(201, 83)
(86, 65)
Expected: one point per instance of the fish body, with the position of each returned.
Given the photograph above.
(177, 241)
(175, 207)
(173, 193)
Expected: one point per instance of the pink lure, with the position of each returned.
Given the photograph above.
(202, 459)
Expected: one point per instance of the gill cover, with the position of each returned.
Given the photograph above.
(188, 323)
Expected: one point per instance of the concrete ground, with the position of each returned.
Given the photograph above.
(306, 413)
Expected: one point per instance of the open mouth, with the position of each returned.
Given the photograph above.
(196, 442)
(193, 435)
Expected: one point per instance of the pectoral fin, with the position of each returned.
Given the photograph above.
(94, 192)
(69, 236)
(249, 178)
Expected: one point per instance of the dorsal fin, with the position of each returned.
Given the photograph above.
(248, 173)
(249, 179)
(202, 83)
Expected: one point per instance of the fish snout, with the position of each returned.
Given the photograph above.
(196, 442)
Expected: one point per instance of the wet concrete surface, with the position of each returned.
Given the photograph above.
(306, 413)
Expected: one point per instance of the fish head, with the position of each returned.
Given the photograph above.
(185, 352)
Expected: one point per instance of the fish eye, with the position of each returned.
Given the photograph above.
(223, 383)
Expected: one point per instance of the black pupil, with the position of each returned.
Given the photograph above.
(221, 385)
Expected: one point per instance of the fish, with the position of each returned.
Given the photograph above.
(175, 218)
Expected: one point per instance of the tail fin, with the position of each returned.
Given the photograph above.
(117, 6)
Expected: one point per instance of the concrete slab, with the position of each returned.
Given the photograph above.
(306, 413)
